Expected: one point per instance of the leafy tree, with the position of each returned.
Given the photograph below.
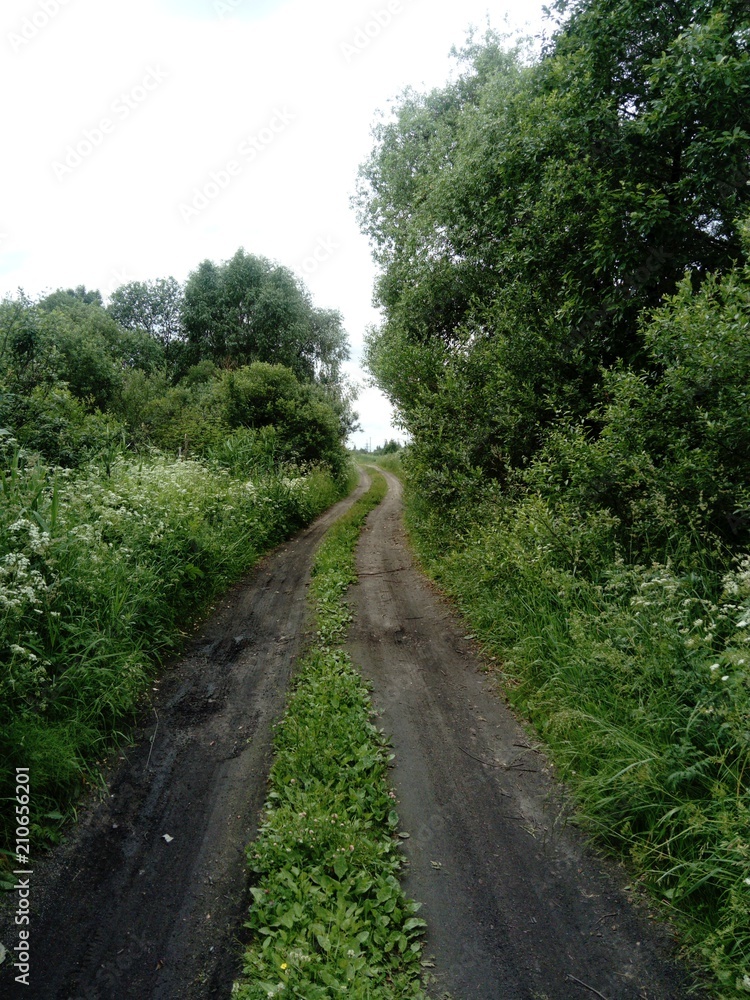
(53, 422)
(248, 309)
(76, 376)
(527, 215)
(19, 334)
(307, 426)
(64, 359)
(389, 448)
(64, 297)
(153, 306)
(672, 446)
(79, 350)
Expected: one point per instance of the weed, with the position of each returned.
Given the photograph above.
(99, 574)
(636, 676)
(329, 918)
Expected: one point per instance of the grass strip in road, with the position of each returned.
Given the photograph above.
(329, 917)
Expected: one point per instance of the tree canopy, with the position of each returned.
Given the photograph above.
(248, 309)
(530, 216)
(239, 352)
(526, 216)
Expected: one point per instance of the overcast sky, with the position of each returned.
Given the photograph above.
(143, 137)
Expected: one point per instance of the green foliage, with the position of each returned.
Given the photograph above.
(391, 447)
(563, 243)
(77, 341)
(178, 420)
(65, 364)
(57, 425)
(248, 309)
(671, 453)
(151, 306)
(307, 426)
(329, 917)
(528, 214)
(391, 462)
(75, 381)
(636, 677)
(64, 298)
(99, 572)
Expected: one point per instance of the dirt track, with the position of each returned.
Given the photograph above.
(119, 913)
(517, 906)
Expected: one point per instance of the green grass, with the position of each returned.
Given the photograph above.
(390, 462)
(636, 677)
(329, 918)
(99, 577)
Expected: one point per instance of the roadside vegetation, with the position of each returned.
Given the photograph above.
(329, 918)
(563, 239)
(144, 467)
(387, 457)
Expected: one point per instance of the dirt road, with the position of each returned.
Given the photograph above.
(145, 900)
(518, 908)
(120, 913)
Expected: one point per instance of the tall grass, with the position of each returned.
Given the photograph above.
(99, 574)
(636, 676)
(391, 462)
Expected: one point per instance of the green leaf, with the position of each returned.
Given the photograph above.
(341, 866)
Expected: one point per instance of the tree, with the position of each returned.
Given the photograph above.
(153, 306)
(526, 216)
(249, 309)
(67, 296)
(308, 428)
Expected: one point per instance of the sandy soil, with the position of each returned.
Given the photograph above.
(517, 905)
(119, 912)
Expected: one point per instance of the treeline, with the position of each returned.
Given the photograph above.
(239, 349)
(563, 239)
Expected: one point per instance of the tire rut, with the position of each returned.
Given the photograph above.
(119, 912)
(518, 906)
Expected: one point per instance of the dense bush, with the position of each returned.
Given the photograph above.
(73, 382)
(667, 451)
(133, 487)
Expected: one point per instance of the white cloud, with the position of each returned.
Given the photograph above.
(80, 79)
